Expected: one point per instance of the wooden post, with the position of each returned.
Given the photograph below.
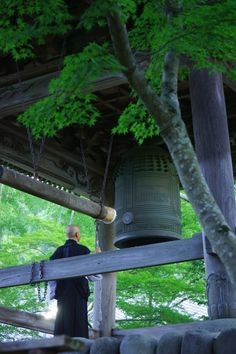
(106, 292)
(108, 284)
(213, 150)
(97, 303)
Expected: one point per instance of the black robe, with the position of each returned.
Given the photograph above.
(72, 296)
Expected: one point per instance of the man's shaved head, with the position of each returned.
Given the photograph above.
(71, 231)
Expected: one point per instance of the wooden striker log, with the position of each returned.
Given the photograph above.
(42, 190)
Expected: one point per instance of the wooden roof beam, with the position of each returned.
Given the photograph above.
(16, 98)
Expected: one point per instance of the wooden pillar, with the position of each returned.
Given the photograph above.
(105, 290)
(213, 150)
(97, 312)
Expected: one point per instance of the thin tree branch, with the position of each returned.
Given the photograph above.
(133, 73)
(170, 82)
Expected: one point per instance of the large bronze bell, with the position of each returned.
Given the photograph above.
(147, 198)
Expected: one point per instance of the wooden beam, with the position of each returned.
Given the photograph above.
(32, 321)
(57, 166)
(38, 323)
(57, 196)
(158, 331)
(26, 320)
(16, 98)
(110, 261)
(49, 345)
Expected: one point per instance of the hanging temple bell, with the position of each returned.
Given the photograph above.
(147, 199)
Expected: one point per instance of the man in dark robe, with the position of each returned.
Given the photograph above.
(71, 294)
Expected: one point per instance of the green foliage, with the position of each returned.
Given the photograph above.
(95, 15)
(155, 295)
(47, 117)
(69, 101)
(136, 119)
(190, 223)
(212, 35)
(35, 228)
(26, 22)
(203, 32)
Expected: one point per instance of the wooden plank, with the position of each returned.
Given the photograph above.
(32, 321)
(110, 261)
(57, 344)
(26, 320)
(42, 190)
(158, 331)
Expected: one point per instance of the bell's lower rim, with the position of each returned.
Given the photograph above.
(126, 241)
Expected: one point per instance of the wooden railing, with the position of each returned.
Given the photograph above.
(105, 262)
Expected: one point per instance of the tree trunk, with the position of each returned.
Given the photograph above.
(214, 155)
(165, 110)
